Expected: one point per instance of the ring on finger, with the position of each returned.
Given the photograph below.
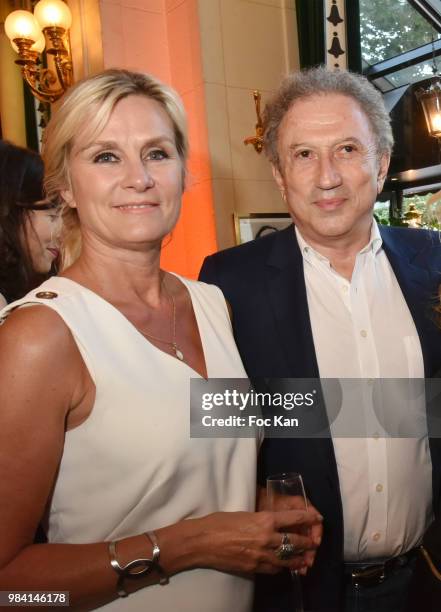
(286, 550)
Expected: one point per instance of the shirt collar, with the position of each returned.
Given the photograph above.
(376, 242)
(374, 245)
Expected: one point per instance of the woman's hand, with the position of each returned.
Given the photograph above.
(246, 542)
(315, 530)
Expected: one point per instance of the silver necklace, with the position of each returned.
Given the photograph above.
(177, 351)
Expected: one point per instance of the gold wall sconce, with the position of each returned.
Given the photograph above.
(257, 140)
(30, 34)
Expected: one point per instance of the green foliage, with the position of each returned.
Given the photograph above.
(430, 218)
(391, 27)
(381, 213)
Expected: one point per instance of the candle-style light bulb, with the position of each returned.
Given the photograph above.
(22, 24)
(436, 122)
(53, 13)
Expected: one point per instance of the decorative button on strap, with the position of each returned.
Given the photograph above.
(46, 295)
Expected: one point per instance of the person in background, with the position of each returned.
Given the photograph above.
(94, 386)
(336, 296)
(28, 223)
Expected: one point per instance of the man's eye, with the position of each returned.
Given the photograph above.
(348, 149)
(157, 155)
(303, 154)
(105, 157)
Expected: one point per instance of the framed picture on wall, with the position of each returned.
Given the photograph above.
(252, 226)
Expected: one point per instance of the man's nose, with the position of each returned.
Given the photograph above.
(328, 174)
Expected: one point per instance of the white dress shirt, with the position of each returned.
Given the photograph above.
(363, 329)
(3, 302)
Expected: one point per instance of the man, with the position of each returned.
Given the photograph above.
(336, 296)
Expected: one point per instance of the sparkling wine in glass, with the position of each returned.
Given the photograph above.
(286, 492)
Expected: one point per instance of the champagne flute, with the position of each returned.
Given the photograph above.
(286, 492)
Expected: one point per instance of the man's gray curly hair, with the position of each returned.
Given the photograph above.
(317, 82)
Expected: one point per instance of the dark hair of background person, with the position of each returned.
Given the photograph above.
(21, 185)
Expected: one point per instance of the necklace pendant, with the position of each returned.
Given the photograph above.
(179, 354)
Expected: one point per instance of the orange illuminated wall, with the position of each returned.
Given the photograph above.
(162, 37)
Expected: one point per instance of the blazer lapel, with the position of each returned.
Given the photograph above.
(419, 279)
(287, 294)
(418, 285)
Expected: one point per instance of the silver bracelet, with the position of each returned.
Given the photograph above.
(163, 578)
(138, 567)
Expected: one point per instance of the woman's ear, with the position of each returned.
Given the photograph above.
(68, 197)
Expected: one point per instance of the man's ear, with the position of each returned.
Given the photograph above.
(383, 167)
(279, 180)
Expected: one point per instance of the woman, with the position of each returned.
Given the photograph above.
(95, 420)
(28, 225)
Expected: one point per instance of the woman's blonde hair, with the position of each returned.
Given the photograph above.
(90, 104)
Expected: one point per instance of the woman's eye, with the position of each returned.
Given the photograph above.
(105, 157)
(157, 155)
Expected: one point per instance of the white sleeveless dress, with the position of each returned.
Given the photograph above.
(132, 466)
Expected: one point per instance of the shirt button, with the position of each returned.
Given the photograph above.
(363, 333)
(379, 488)
(376, 536)
(345, 288)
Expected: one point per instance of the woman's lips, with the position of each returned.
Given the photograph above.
(54, 252)
(138, 208)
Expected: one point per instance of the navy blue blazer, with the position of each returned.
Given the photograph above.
(263, 280)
